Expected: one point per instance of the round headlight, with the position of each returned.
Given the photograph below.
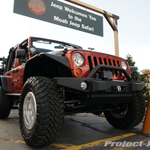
(124, 65)
(78, 59)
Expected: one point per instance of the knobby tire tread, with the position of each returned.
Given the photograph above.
(5, 104)
(135, 114)
(50, 111)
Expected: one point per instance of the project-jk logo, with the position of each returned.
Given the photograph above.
(37, 7)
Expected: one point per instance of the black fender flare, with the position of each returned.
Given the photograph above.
(39, 58)
(4, 83)
(61, 59)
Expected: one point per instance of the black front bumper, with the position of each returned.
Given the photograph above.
(97, 85)
(105, 91)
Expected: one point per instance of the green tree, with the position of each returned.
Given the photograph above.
(143, 78)
(135, 75)
(130, 61)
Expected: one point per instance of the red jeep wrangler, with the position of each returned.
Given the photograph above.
(50, 79)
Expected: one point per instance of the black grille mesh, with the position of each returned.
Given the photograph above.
(94, 61)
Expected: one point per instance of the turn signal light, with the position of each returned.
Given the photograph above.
(78, 71)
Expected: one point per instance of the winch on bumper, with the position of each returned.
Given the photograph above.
(102, 90)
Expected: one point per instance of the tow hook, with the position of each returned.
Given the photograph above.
(118, 87)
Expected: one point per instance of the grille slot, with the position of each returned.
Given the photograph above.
(90, 62)
(100, 60)
(115, 65)
(105, 61)
(109, 62)
(119, 66)
(94, 61)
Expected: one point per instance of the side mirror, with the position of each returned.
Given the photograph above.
(132, 68)
(20, 53)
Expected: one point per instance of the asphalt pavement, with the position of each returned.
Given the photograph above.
(81, 131)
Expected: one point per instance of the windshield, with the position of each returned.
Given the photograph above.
(49, 46)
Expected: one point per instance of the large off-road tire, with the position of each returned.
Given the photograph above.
(41, 112)
(129, 114)
(5, 104)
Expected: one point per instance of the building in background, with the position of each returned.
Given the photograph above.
(146, 71)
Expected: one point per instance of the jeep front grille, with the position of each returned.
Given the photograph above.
(94, 61)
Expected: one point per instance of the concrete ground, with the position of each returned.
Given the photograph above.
(82, 131)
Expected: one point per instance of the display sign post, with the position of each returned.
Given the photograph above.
(108, 16)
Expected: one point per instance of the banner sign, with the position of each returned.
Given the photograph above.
(57, 12)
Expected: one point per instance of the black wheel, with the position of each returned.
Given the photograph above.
(41, 111)
(5, 104)
(129, 114)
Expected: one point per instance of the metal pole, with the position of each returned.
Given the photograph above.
(116, 39)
